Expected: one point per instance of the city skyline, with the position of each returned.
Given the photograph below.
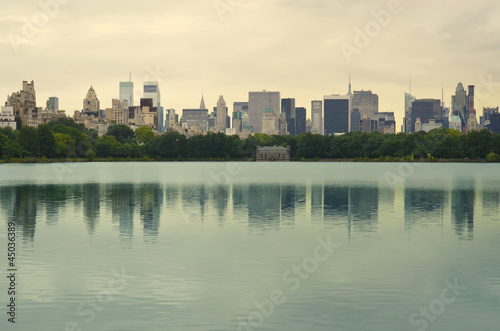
(304, 61)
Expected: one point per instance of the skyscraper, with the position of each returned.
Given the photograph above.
(300, 121)
(269, 121)
(460, 104)
(424, 110)
(257, 103)
(288, 107)
(53, 104)
(221, 115)
(355, 121)
(127, 93)
(317, 116)
(406, 128)
(337, 109)
(91, 105)
(366, 102)
(152, 91)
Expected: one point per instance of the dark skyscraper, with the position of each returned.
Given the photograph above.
(355, 120)
(425, 109)
(300, 121)
(288, 107)
(337, 114)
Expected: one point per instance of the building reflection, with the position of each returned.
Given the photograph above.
(462, 211)
(264, 206)
(289, 196)
(53, 198)
(151, 199)
(423, 206)
(91, 205)
(25, 210)
(221, 200)
(336, 204)
(260, 207)
(491, 201)
(317, 200)
(122, 201)
(364, 202)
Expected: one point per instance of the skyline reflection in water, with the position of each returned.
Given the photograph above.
(205, 245)
(259, 207)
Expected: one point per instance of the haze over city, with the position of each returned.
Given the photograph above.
(231, 48)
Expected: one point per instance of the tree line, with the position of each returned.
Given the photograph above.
(65, 139)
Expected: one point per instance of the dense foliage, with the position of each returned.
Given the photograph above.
(64, 139)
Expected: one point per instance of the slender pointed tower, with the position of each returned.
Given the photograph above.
(350, 90)
(202, 104)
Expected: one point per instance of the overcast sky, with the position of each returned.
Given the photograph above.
(291, 46)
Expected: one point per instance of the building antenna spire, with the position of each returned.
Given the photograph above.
(350, 91)
(130, 77)
(442, 94)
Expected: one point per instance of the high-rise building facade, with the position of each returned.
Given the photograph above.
(337, 110)
(317, 116)
(91, 104)
(288, 108)
(119, 112)
(487, 112)
(127, 92)
(301, 120)
(355, 121)
(152, 91)
(257, 103)
(269, 122)
(460, 104)
(7, 118)
(24, 104)
(406, 128)
(221, 115)
(424, 110)
(240, 107)
(53, 104)
(366, 102)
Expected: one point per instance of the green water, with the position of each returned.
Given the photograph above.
(252, 246)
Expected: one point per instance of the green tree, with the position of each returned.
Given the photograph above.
(122, 133)
(11, 134)
(311, 146)
(108, 146)
(170, 145)
(144, 134)
(65, 145)
(10, 148)
(28, 139)
(47, 141)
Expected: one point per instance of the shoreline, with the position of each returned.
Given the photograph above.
(148, 160)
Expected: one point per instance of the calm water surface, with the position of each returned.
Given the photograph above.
(209, 246)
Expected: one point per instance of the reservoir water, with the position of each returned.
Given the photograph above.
(252, 246)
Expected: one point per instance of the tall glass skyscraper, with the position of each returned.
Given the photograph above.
(127, 93)
(337, 109)
(288, 107)
(152, 91)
